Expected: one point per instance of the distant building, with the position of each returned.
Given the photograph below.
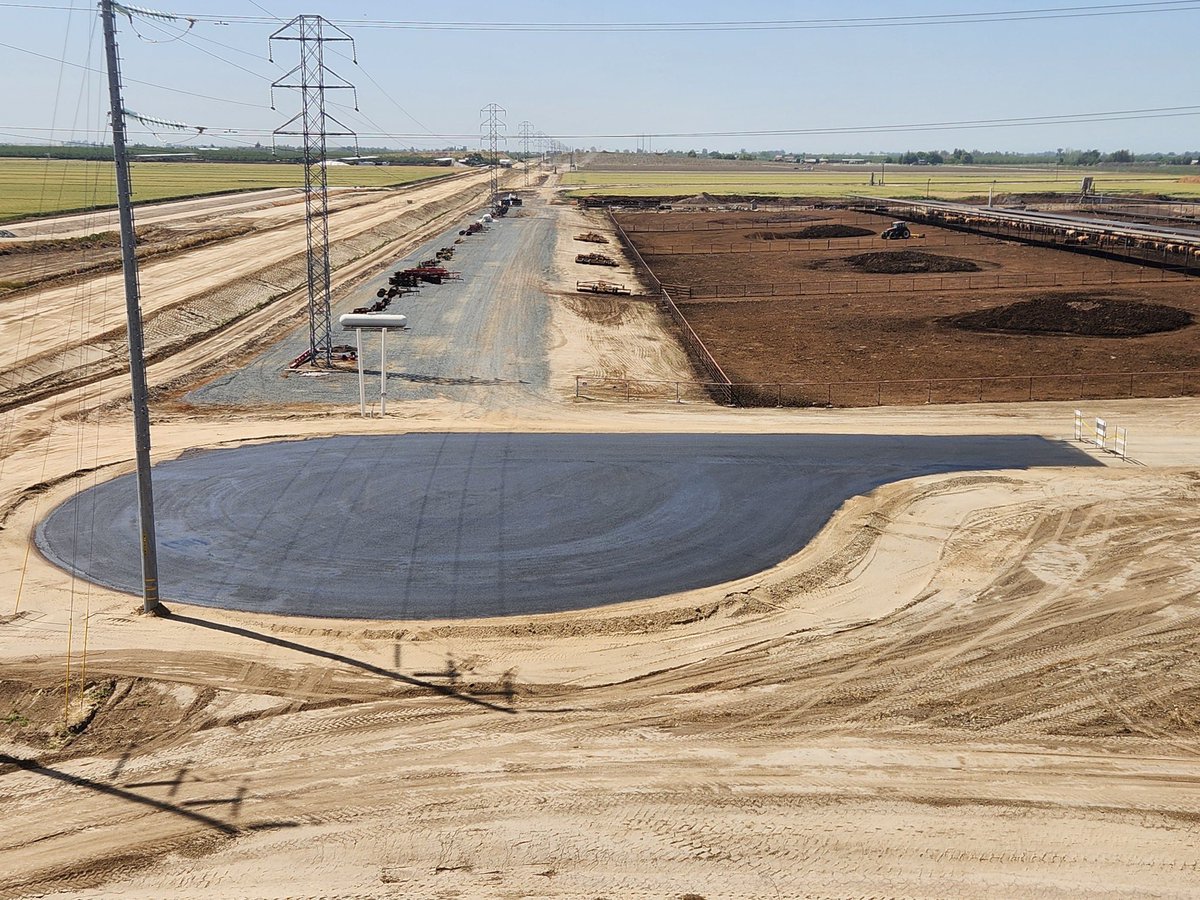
(444, 161)
(166, 157)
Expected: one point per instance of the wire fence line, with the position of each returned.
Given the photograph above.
(818, 245)
(694, 347)
(855, 218)
(913, 391)
(918, 283)
(901, 392)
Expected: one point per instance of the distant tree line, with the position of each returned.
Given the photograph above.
(957, 156)
(1061, 156)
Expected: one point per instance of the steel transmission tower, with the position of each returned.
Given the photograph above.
(493, 124)
(312, 78)
(526, 132)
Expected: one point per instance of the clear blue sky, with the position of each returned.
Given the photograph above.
(586, 86)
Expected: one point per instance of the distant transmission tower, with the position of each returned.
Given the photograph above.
(526, 132)
(493, 124)
(312, 78)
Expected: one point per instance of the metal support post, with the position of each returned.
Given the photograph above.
(493, 124)
(313, 78)
(362, 380)
(133, 312)
(526, 132)
(383, 371)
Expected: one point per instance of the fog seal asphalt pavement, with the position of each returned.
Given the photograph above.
(424, 526)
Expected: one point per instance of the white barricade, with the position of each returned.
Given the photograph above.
(1121, 442)
(1098, 435)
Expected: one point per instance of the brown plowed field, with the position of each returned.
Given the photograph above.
(817, 314)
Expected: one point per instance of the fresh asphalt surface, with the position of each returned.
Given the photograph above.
(458, 525)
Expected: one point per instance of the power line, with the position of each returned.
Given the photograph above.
(971, 18)
(153, 84)
(1164, 112)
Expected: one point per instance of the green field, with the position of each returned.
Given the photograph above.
(948, 183)
(31, 187)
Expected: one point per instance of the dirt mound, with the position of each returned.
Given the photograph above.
(908, 262)
(1079, 314)
(99, 240)
(811, 232)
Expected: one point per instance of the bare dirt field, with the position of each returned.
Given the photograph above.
(969, 684)
(1015, 321)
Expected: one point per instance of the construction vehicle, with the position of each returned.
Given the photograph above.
(601, 287)
(595, 259)
(898, 232)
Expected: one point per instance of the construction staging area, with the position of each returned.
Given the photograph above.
(518, 639)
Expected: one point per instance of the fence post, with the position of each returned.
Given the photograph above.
(576, 387)
(677, 400)
(779, 396)
(626, 389)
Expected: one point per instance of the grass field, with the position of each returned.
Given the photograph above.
(902, 181)
(39, 186)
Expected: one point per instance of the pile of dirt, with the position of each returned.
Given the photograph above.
(100, 240)
(1076, 314)
(810, 233)
(908, 262)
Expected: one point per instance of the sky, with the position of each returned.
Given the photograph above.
(424, 86)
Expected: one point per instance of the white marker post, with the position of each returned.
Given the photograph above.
(380, 322)
(382, 372)
(362, 382)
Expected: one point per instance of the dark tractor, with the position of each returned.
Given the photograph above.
(898, 232)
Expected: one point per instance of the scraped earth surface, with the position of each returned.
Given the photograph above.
(969, 684)
(949, 317)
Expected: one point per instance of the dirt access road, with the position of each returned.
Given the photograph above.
(59, 335)
(968, 685)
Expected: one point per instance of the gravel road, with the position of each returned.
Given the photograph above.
(481, 338)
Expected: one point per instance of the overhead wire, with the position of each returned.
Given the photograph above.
(1163, 112)
(153, 84)
(1092, 10)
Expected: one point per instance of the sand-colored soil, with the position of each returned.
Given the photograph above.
(969, 685)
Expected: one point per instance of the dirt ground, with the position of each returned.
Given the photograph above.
(868, 310)
(969, 685)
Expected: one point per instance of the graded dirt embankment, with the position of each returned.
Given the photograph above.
(74, 334)
(968, 685)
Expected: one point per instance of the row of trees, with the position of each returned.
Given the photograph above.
(958, 156)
